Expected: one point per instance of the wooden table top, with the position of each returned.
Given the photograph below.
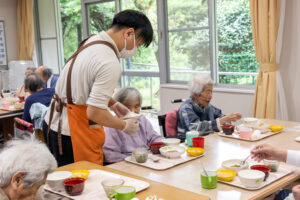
(160, 190)
(218, 149)
(6, 113)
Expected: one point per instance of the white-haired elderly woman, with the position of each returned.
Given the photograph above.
(118, 145)
(24, 165)
(196, 113)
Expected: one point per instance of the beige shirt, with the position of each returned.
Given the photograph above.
(3, 196)
(95, 75)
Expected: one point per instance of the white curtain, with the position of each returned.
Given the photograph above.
(281, 103)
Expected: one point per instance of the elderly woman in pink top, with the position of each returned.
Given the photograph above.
(118, 145)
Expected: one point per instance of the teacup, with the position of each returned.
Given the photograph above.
(123, 193)
(189, 137)
(210, 181)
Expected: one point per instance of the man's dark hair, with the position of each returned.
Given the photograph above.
(33, 82)
(31, 68)
(136, 20)
(47, 72)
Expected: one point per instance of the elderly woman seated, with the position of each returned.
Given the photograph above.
(24, 168)
(38, 94)
(196, 113)
(118, 145)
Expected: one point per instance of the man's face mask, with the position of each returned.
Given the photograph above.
(125, 53)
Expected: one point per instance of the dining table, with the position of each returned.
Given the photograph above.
(7, 121)
(186, 176)
(156, 190)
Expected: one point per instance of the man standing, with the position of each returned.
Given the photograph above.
(47, 76)
(85, 87)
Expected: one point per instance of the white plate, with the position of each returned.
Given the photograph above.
(132, 115)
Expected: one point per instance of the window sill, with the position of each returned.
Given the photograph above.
(216, 88)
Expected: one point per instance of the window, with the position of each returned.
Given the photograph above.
(236, 56)
(71, 21)
(188, 38)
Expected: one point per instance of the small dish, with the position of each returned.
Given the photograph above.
(155, 146)
(228, 129)
(82, 173)
(263, 168)
(226, 175)
(54, 180)
(171, 141)
(233, 165)
(132, 115)
(110, 184)
(140, 155)
(74, 186)
(273, 164)
(195, 151)
(250, 121)
(275, 128)
(251, 178)
(172, 151)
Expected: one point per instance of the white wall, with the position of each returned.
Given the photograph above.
(290, 59)
(228, 100)
(8, 13)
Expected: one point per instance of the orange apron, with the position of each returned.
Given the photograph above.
(87, 142)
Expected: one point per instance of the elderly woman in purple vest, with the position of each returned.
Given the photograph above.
(119, 145)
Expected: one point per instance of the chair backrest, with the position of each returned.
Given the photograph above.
(171, 123)
(161, 122)
(22, 128)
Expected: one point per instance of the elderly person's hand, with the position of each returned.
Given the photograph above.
(266, 151)
(131, 127)
(232, 117)
(296, 192)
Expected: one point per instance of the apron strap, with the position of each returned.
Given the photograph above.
(69, 89)
(60, 105)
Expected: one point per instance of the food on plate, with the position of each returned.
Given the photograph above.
(234, 165)
(140, 155)
(256, 135)
(195, 151)
(275, 128)
(82, 173)
(226, 175)
(172, 151)
(273, 164)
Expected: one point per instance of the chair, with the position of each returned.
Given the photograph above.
(23, 129)
(168, 122)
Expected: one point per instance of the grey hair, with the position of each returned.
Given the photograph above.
(197, 84)
(128, 94)
(28, 155)
(47, 72)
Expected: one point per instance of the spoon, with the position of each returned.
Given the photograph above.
(154, 159)
(242, 162)
(205, 172)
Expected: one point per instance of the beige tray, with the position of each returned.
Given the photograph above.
(164, 163)
(236, 136)
(93, 188)
(283, 171)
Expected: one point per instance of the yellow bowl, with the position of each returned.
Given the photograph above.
(226, 175)
(194, 151)
(275, 128)
(80, 173)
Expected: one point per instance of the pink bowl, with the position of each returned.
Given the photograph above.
(245, 134)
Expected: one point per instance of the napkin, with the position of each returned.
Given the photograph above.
(229, 195)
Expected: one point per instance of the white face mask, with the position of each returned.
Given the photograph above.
(125, 53)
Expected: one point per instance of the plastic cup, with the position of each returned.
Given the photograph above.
(123, 193)
(109, 185)
(189, 137)
(198, 142)
(210, 181)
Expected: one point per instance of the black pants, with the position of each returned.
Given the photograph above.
(67, 156)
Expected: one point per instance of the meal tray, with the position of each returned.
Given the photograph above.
(283, 171)
(93, 188)
(236, 136)
(164, 163)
